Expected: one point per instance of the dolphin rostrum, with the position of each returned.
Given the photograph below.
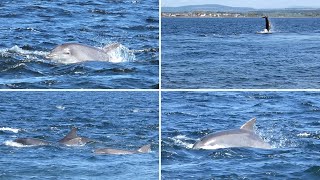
(31, 141)
(72, 139)
(74, 52)
(243, 137)
(143, 149)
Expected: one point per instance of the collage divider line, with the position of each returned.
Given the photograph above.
(159, 91)
(240, 90)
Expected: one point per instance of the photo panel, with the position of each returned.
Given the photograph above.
(79, 135)
(240, 45)
(79, 44)
(240, 135)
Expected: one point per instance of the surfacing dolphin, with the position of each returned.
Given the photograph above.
(143, 149)
(75, 52)
(72, 139)
(268, 25)
(243, 137)
(31, 142)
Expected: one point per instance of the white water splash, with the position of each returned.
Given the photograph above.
(14, 144)
(10, 129)
(180, 140)
(75, 145)
(60, 107)
(216, 146)
(121, 54)
(16, 49)
(305, 134)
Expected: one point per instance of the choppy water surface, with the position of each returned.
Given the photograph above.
(289, 121)
(228, 53)
(119, 120)
(30, 29)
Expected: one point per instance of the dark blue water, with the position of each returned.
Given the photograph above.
(30, 29)
(124, 120)
(227, 53)
(289, 121)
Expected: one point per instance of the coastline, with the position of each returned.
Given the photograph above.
(195, 17)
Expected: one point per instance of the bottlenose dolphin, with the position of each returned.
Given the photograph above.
(72, 139)
(74, 52)
(268, 25)
(143, 149)
(31, 142)
(243, 137)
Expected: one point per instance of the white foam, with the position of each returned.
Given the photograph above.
(14, 144)
(27, 54)
(17, 49)
(305, 134)
(183, 137)
(10, 129)
(75, 145)
(121, 54)
(216, 146)
(60, 107)
(179, 141)
(265, 31)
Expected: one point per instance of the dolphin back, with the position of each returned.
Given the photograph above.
(243, 137)
(249, 125)
(110, 47)
(71, 135)
(31, 141)
(145, 149)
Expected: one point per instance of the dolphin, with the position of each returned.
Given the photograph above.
(72, 139)
(243, 137)
(31, 142)
(75, 52)
(268, 25)
(143, 149)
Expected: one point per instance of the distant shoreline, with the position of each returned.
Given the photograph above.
(191, 17)
(251, 14)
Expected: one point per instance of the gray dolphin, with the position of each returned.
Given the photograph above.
(72, 139)
(31, 142)
(143, 149)
(243, 137)
(74, 52)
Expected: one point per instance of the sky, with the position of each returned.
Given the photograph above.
(260, 4)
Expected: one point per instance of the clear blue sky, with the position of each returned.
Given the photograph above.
(245, 3)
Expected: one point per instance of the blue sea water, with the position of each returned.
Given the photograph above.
(30, 29)
(289, 121)
(228, 53)
(120, 120)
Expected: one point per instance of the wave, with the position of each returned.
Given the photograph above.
(7, 52)
(15, 144)
(14, 130)
(121, 54)
(60, 107)
(145, 50)
(305, 134)
(180, 140)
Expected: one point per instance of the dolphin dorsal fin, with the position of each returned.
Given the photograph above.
(110, 47)
(249, 125)
(71, 135)
(145, 149)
